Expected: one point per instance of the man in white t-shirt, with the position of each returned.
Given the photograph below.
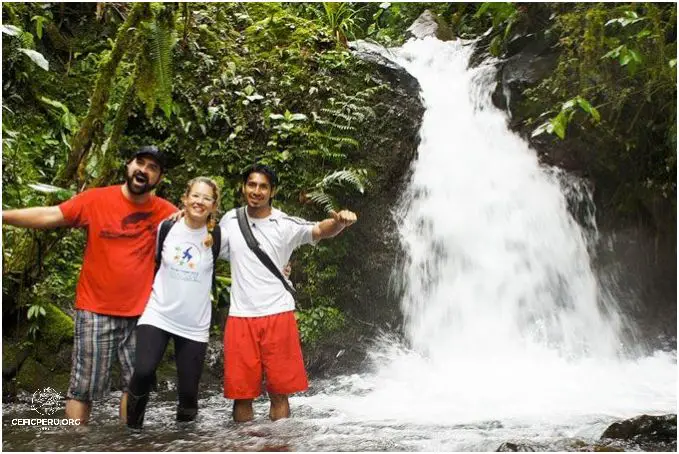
(261, 333)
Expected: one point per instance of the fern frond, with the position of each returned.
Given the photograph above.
(343, 140)
(145, 83)
(344, 128)
(322, 199)
(161, 58)
(354, 178)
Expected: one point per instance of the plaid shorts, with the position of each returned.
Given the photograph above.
(97, 339)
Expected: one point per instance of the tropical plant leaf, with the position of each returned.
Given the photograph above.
(37, 58)
(322, 199)
(161, 58)
(351, 177)
(10, 30)
(62, 193)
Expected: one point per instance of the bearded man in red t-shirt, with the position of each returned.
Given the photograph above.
(117, 272)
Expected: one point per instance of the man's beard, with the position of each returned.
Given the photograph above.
(129, 181)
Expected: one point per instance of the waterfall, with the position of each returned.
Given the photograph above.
(505, 321)
(495, 263)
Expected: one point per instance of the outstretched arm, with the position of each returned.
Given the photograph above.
(35, 218)
(332, 226)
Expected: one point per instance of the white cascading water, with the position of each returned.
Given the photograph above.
(504, 317)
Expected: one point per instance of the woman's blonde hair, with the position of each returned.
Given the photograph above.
(212, 217)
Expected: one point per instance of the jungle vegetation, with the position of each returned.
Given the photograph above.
(219, 86)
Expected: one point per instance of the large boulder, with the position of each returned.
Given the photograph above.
(650, 433)
(33, 365)
(388, 145)
(429, 24)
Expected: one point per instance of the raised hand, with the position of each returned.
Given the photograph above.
(344, 217)
(287, 269)
(177, 215)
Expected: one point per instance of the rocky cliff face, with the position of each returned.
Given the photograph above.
(389, 144)
(636, 257)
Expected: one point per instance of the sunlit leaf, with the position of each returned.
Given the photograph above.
(49, 189)
(544, 127)
(559, 123)
(613, 53)
(10, 30)
(37, 58)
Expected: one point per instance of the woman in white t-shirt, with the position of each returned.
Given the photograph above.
(179, 307)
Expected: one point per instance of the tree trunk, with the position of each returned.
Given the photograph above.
(93, 121)
(110, 155)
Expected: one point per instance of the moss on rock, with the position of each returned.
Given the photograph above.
(57, 327)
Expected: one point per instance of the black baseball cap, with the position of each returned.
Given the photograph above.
(154, 152)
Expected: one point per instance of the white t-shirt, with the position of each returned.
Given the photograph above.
(180, 299)
(255, 290)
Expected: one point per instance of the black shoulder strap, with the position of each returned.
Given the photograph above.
(216, 247)
(165, 227)
(261, 255)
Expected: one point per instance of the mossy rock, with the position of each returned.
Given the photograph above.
(34, 376)
(55, 341)
(57, 327)
(9, 354)
(49, 356)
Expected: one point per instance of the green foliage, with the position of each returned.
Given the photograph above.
(341, 20)
(318, 322)
(618, 57)
(340, 179)
(244, 83)
(154, 85)
(502, 15)
(559, 123)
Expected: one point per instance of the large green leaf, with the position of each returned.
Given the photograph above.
(37, 58)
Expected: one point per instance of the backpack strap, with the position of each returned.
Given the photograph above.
(165, 227)
(216, 247)
(261, 255)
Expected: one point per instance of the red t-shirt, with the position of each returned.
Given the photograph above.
(117, 271)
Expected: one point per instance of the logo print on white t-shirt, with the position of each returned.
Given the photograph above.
(186, 255)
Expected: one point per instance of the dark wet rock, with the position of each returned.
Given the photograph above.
(388, 146)
(650, 433)
(518, 73)
(429, 24)
(636, 255)
(515, 447)
(395, 74)
(531, 59)
(558, 445)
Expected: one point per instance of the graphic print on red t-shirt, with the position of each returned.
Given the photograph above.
(117, 271)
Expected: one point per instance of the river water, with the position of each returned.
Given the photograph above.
(509, 334)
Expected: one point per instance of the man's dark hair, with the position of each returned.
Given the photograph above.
(265, 170)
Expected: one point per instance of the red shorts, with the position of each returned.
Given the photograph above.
(256, 345)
